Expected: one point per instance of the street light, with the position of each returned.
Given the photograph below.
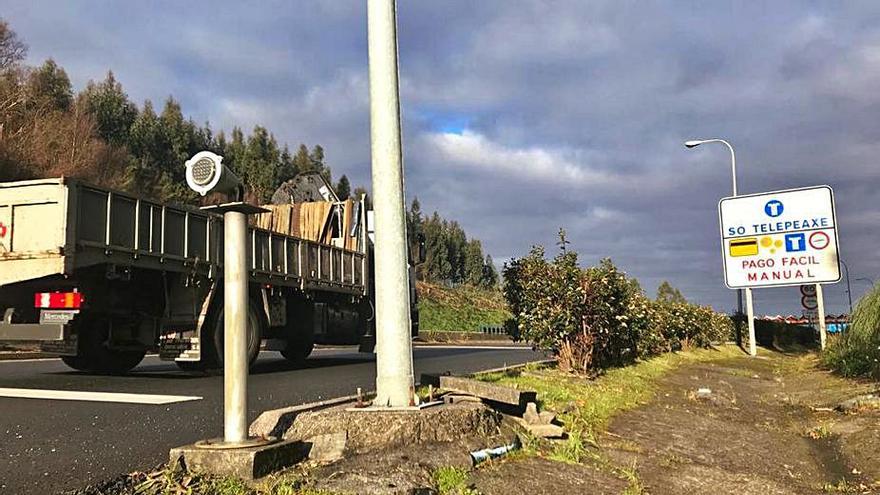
(696, 142)
(693, 143)
(848, 287)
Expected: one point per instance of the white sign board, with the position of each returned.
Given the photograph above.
(779, 238)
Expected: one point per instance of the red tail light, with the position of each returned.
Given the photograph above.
(58, 300)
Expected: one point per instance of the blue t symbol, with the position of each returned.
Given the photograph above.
(773, 208)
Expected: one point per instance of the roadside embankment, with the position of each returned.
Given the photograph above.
(460, 309)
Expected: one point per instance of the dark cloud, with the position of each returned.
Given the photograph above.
(523, 117)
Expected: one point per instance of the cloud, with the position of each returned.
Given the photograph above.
(524, 117)
(469, 149)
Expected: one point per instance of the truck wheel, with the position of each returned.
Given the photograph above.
(76, 362)
(297, 351)
(254, 336)
(94, 356)
(114, 362)
(192, 365)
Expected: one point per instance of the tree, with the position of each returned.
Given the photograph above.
(316, 157)
(48, 88)
(148, 147)
(114, 113)
(473, 262)
(667, 293)
(343, 188)
(490, 274)
(456, 240)
(260, 165)
(437, 266)
(12, 49)
(287, 167)
(302, 162)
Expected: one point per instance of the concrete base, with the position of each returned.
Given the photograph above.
(247, 463)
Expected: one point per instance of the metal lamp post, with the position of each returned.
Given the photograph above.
(749, 306)
(394, 367)
(206, 173)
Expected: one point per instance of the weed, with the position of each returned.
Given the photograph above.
(672, 460)
(819, 431)
(572, 450)
(453, 481)
(631, 475)
(844, 486)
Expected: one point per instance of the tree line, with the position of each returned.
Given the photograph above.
(450, 257)
(99, 135)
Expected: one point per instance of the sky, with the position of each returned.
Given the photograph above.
(521, 118)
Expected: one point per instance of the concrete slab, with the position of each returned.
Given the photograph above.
(247, 463)
(487, 391)
(378, 429)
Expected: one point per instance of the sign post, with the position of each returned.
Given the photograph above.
(780, 239)
(823, 334)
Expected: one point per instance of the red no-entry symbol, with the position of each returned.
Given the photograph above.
(819, 240)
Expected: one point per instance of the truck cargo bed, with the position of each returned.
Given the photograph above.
(52, 227)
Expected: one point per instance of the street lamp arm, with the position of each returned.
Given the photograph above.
(697, 142)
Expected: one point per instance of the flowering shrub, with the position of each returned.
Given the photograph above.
(598, 317)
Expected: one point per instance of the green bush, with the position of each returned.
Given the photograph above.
(598, 317)
(857, 351)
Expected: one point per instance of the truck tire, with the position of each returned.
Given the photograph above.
(94, 355)
(297, 351)
(76, 362)
(213, 349)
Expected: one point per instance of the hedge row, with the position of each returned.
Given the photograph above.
(598, 317)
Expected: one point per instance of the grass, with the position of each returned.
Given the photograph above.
(857, 351)
(173, 480)
(462, 309)
(453, 481)
(586, 406)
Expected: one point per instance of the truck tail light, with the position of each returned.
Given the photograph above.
(58, 300)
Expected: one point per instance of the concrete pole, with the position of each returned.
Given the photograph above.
(394, 369)
(820, 303)
(235, 362)
(750, 309)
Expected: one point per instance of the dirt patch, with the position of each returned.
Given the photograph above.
(763, 427)
(539, 476)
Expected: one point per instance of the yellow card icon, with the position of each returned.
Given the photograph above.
(746, 246)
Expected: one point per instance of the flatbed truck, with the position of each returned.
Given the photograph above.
(102, 277)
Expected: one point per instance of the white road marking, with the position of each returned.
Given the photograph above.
(30, 393)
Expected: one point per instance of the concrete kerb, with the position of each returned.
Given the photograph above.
(274, 422)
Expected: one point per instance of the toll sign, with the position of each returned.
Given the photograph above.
(780, 238)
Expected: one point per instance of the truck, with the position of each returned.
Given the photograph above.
(101, 277)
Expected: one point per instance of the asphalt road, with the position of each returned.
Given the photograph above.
(50, 446)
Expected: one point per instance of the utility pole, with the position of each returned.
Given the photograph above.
(394, 368)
